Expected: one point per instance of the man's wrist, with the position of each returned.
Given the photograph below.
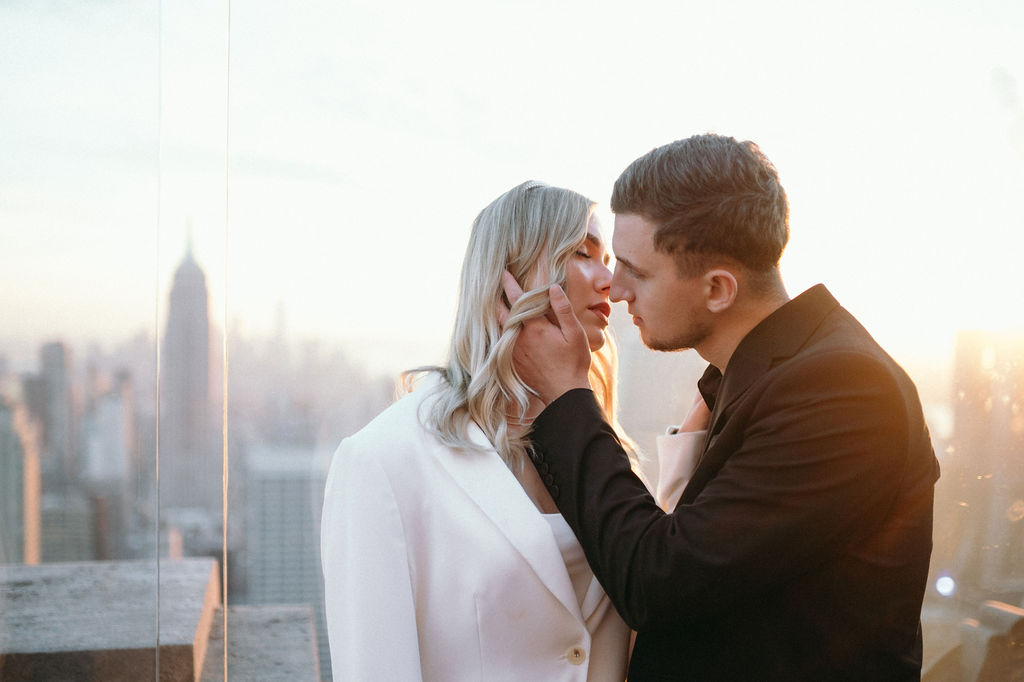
(553, 406)
(575, 409)
(562, 390)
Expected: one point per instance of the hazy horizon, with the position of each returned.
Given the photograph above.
(360, 149)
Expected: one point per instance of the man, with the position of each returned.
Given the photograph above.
(799, 549)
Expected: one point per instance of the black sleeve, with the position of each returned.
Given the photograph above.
(820, 452)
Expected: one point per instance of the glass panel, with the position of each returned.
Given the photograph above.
(192, 294)
(78, 254)
(192, 242)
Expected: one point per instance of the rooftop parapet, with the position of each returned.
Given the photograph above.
(98, 620)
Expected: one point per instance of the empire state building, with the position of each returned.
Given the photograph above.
(189, 463)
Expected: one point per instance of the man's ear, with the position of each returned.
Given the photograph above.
(722, 289)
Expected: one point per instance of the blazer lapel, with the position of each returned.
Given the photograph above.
(496, 491)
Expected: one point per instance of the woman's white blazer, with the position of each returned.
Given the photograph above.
(437, 566)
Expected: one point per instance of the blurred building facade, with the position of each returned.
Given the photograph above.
(979, 536)
(284, 488)
(20, 486)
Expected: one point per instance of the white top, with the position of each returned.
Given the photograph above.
(677, 458)
(572, 552)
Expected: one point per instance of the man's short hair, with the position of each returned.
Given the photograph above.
(709, 196)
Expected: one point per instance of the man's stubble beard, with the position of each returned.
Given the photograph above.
(690, 339)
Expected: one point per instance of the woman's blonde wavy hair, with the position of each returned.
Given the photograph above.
(531, 229)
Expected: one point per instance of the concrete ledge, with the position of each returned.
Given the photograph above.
(993, 644)
(98, 620)
(266, 643)
(991, 648)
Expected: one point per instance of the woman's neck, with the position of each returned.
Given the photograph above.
(518, 427)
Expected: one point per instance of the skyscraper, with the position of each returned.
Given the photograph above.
(66, 515)
(109, 453)
(19, 486)
(49, 399)
(190, 469)
(284, 490)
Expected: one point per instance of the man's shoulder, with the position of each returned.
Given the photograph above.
(832, 366)
(842, 337)
(842, 360)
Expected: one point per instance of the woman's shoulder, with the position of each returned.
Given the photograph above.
(395, 432)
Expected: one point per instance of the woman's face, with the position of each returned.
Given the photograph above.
(587, 284)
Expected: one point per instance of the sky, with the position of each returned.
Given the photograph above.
(328, 158)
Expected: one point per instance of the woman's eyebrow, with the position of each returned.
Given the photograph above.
(596, 241)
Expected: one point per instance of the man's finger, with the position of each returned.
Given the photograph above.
(503, 313)
(512, 289)
(512, 292)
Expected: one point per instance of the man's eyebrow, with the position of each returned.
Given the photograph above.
(629, 266)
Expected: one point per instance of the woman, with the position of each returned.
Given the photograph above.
(444, 556)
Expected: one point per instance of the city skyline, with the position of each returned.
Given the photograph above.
(383, 359)
(289, 412)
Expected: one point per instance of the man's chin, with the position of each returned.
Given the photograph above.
(662, 345)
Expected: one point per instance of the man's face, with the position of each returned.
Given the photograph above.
(669, 310)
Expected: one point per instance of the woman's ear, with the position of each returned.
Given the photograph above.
(722, 289)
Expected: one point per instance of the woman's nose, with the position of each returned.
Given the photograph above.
(603, 281)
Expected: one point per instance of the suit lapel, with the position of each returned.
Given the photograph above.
(491, 485)
(779, 336)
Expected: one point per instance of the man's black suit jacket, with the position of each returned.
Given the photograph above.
(799, 550)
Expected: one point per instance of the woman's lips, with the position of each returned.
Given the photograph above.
(603, 310)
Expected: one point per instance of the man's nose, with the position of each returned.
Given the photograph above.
(616, 291)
